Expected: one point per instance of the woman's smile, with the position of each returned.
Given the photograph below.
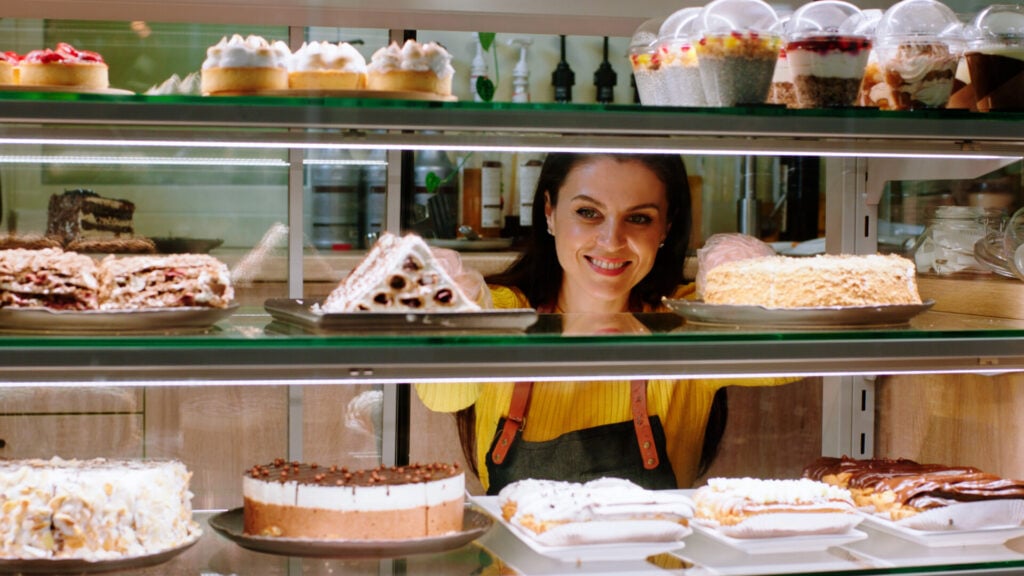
(608, 267)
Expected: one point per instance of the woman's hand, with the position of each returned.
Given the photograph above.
(470, 281)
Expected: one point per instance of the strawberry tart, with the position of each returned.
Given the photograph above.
(64, 66)
(250, 64)
(9, 67)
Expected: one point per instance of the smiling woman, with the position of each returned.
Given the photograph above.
(615, 241)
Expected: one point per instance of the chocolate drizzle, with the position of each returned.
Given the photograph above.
(316, 475)
(917, 485)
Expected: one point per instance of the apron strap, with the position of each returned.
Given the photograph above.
(516, 421)
(642, 424)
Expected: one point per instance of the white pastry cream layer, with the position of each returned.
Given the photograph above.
(354, 498)
(413, 56)
(249, 52)
(326, 56)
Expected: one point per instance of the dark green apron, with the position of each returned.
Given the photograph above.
(611, 450)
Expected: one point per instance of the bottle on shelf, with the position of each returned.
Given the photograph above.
(521, 73)
(470, 203)
(563, 78)
(492, 205)
(478, 69)
(527, 175)
(605, 79)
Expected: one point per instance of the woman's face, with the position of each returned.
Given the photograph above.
(608, 224)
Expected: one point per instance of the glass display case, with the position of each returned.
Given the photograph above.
(254, 178)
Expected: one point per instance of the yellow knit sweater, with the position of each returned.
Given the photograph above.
(557, 408)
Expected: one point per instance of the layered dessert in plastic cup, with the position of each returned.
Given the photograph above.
(826, 55)
(737, 47)
(782, 91)
(995, 57)
(643, 56)
(917, 46)
(680, 72)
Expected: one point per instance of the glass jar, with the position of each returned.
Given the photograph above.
(947, 244)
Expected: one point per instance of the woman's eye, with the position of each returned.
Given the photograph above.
(640, 219)
(588, 213)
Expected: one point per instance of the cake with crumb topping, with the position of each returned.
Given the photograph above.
(307, 500)
(814, 282)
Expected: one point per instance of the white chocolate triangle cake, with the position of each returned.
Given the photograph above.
(399, 274)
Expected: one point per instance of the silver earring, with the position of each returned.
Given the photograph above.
(550, 231)
(661, 245)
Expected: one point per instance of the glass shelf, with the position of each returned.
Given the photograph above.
(250, 347)
(759, 130)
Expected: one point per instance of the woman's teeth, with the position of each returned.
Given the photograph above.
(604, 264)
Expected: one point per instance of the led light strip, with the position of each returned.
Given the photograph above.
(175, 161)
(699, 147)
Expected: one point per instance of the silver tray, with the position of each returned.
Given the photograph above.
(80, 566)
(464, 245)
(229, 524)
(298, 312)
(834, 317)
(109, 321)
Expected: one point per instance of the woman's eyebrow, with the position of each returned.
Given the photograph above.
(599, 204)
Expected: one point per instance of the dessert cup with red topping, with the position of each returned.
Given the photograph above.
(679, 70)
(737, 50)
(643, 57)
(782, 91)
(63, 66)
(826, 55)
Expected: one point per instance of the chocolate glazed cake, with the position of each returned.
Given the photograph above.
(306, 500)
(83, 214)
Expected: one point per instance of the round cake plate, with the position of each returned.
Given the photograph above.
(355, 93)
(699, 312)
(111, 321)
(68, 89)
(229, 525)
(82, 566)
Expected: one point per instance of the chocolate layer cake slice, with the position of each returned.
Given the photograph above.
(48, 278)
(83, 214)
(134, 282)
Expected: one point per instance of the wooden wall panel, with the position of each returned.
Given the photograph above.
(342, 425)
(772, 432)
(964, 419)
(218, 432)
(47, 400)
(71, 436)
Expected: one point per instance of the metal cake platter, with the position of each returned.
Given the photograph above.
(229, 524)
(300, 312)
(82, 566)
(111, 321)
(699, 312)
